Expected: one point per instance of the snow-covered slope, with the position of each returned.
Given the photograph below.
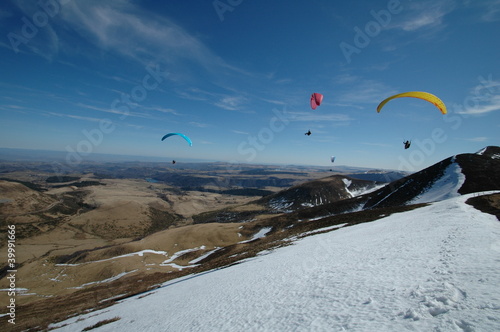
(445, 187)
(461, 174)
(430, 269)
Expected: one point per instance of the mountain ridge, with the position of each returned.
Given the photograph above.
(113, 271)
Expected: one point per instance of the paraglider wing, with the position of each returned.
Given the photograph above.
(316, 99)
(417, 94)
(181, 135)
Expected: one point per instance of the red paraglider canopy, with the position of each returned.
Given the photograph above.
(316, 99)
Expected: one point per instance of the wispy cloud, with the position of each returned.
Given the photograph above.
(231, 103)
(377, 144)
(425, 15)
(482, 108)
(476, 139)
(491, 10)
(88, 118)
(239, 132)
(359, 90)
(71, 116)
(126, 29)
(199, 124)
(120, 27)
(161, 109)
(483, 99)
(123, 114)
(339, 119)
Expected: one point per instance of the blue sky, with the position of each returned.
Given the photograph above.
(236, 76)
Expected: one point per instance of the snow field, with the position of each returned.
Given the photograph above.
(430, 269)
(445, 187)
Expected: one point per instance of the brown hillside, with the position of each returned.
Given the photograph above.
(18, 199)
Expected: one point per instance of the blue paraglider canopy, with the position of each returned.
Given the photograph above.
(179, 134)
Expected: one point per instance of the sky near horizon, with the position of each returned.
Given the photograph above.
(236, 77)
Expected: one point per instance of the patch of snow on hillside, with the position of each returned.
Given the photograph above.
(180, 253)
(258, 235)
(445, 187)
(205, 255)
(116, 277)
(321, 230)
(366, 190)
(481, 152)
(360, 191)
(434, 268)
(138, 253)
(280, 204)
(347, 183)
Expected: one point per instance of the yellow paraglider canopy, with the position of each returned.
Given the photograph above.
(417, 94)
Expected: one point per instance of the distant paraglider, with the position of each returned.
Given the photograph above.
(181, 135)
(308, 133)
(316, 99)
(407, 144)
(417, 94)
(173, 161)
(332, 159)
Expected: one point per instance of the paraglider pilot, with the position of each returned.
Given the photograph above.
(407, 144)
(308, 133)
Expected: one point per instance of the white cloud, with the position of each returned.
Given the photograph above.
(231, 103)
(425, 19)
(425, 15)
(240, 132)
(199, 124)
(76, 117)
(161, 110)
(491, 10)
(492, 106)
(483, 98)
(120, 27)
(124, 28)
(358, 90)
(123, 114)
(477, 139)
